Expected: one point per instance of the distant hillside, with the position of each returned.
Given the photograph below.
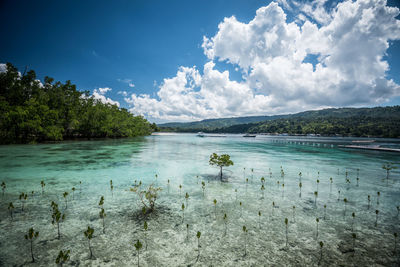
(378, 121)
(218, 123)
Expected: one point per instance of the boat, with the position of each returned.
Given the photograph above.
(200, 134)
(249, 135)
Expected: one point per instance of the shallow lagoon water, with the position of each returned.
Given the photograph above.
(183, 159)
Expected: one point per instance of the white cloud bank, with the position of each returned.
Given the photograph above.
(99, 94)
(348, 44)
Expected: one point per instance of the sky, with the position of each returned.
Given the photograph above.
(184, 60)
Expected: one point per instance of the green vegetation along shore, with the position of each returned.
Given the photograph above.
(34, 112)
(359, 122)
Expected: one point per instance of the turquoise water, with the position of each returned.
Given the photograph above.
(183, 159)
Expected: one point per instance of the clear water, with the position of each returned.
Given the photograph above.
(183, 159)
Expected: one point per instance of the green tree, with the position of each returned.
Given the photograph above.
(221, 161)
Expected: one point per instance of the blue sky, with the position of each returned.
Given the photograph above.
(98, 44)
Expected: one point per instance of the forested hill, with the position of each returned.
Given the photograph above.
(378, 121)
(34, 112)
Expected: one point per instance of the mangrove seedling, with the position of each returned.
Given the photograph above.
(102, 215)
(89, 234)
(168, 186)
(395, 243)
(352, 222)
(11, 209)
(300, 185)
(148, 196)
(180, 190)
(283, 190)
(324, 211)
(236, 194)
(321, 245)
(398, 210)
(23, 198)
(294, 213)
(63, 257)
(57, 217)
(377, 199)
(317, 220)
(273, 207)
(3, 187)
(241, 209)
(338, 198)
(138, 247)
(42, 184)
(203, 187)
(369, 201)
(388, 167)
(221, 161)
(215, 208)
(300, 174)
(73, 193)
(183, 212)
(354, 241)
(286, 225)
(80, 186)
(315, 198)
(145, 227)
(245, 239)
(225, 222)
(187, 232)
(244, 172)
(65, 198)
(101, 202)
(317, 183)
(197, 179)
(358, 179)
(262, 180)
(330, 188)
(345, 204)
(198, 235)
(252, 171)
(259, 219)
(262, 190)
(187, 198)
(31, 236)
(376, 219)
(112, 188)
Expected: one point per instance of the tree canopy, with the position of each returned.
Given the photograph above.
(31, 111)
(223, 160)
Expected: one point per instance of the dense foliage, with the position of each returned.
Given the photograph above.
(379, 122)
(33, 112)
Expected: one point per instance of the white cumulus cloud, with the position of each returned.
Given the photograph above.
(99, 94)
(346, 44)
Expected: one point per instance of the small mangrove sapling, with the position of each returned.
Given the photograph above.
(138, 245)
(63, 257)
(112, 188)
(315, 198)
(187, 232)
(102, 215)
(89, 235)
(57, 217)
(321, 245)
(203, 187)
(388, 167)
(180, 190)
(345, 204)
(376, 219)
(262, 190)
(187, 198)
(31, 236)
(42, 184)
(317, 184)
(330, 188)
(148, 196)
(11, 209)
(352, 222)
(198, 235)
(3, 187)
(183, 212)
(215, 208)
(145, 227)
(294, 213)
(245, 239)
(354, 241)
(338, 198)
(377, 198)
(73, 193)
(259, 219)
(300, 185)
(286, 226)
(226, 223)
(324, 211)
(317, 220)
(23, 198)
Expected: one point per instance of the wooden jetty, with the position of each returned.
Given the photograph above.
(371, 148)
